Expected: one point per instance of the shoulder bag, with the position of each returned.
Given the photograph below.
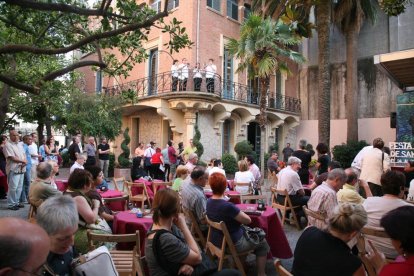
(95, 263)
(254, 235)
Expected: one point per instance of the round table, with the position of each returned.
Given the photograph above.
(116, 205)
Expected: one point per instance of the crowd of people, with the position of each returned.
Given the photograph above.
(367, 194)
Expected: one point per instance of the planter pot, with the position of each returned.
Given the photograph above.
(123, 172)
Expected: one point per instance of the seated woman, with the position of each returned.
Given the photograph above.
(210, 165)
(243, 176)
(218, 209)
(320, 252)
(399, 225)
(97, 178)
(55, 171)
(58, 216)
(79, 184)
(182, 173)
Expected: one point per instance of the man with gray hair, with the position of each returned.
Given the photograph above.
(192, 162)
(42, 188)
(24, 247)
(289, 180)
(323, 199)
(58, 216)
(349, 192)
(80, 160)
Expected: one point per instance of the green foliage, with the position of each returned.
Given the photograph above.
(111, 165)
(197, 143)
(229, 163)
(394, 7)
(273, 147)
(346, 153)
(123, 158)
(312, 163)
(243, 149)
(65, 159)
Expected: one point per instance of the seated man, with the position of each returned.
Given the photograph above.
(42, 188)
(192, 162)
(193, 198)
(392, 183)
(80, 160)
(349, 192)
(323, 199)
(24, 247)
(289, 180)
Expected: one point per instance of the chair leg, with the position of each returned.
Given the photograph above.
(295, 219)
(283, 212)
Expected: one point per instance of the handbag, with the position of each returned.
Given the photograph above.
(95, 263)
(254, 235)
(100, 224)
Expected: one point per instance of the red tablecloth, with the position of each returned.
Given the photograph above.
(62, 184)
(114, 206)
(233, 195)
(148, 184)
(126, 223)
(275, 236)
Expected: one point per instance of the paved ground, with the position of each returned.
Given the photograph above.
(291, 232)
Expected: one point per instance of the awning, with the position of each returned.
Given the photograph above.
(398, 66)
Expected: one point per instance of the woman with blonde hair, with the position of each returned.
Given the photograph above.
(182, 173)
(320, 252)
(242, 176)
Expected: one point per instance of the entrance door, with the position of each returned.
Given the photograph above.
(253, 136)
(227, 75)
(152, 72)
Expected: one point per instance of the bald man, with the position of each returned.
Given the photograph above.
(20, 253)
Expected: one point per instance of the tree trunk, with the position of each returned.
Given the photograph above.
(323, 20)
(40, 128)
(48, 124)
(351, 83)
(4, 105)
(264, 84)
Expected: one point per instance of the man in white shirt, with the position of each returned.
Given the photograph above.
(34, 154)
(289, 180)
(78, 163)
(211, 70)
(218, 167)
(174, 75)
(183, 74)
(148, 153)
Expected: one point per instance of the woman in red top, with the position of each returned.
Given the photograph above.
(156, 162)
(399, 225)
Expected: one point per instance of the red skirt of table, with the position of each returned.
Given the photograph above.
(62, 184)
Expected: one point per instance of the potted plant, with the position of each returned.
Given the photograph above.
(123, 168)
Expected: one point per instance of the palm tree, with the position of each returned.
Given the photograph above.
(262, 48)
(349, 16)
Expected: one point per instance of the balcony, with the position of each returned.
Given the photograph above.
(164, 85)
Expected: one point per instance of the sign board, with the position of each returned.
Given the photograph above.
(401, 152)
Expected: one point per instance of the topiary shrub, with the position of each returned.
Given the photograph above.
(243, 149)
(229, 163)
(123, 158)
(346, 153)
(197, 143)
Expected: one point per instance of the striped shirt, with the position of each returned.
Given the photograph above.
(324, 201)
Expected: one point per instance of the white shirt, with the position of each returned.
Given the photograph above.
(243, 177)
(211, 70)
(75, 165)
(174, 71)
(216, 170)
(289, 179)
(149, 152)
(183, 71)
(197, 73)
(376, 208)
(356, 163)
(34, 151)
(372, 165)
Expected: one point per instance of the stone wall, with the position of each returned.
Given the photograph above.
(211, 141)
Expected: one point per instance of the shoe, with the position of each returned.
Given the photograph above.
(20, 205)
(14, 208)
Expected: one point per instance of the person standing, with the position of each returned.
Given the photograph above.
(50, 149)
(254, 169)
(103, 155)
(34, 155)
(3, 175)
(27, 141)
(149, 152)
(172, 156)
(174, 75)
(211, 70)
(15, 169)
(197, 77)
(272, 164)
(306, 157)
(323, 158)
(191, 148)
(91, 152)
(167, 163)
(74, 150)
(287, 152)
(183, 74)
(42, 151)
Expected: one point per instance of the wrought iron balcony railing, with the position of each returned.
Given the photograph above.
(167, 83)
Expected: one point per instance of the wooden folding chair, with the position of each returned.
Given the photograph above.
(123, 198)
(117, 181)
(286, 206)
(253, 198)
(316, 215)
(281, 271)
(272, 178)
(243, 184)
(226, 244)
(195, 227)
(362, 248)
(126, 262)
(142, 194)
(160, 185)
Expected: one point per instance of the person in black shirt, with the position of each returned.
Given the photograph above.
(306, 157)
(74, 149)
(323, 158)
(103, 155)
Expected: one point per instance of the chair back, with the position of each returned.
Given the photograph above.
(123, 198)
(117, 181)
(272, 178)
(195, 227)
(160, 185)
(316, 215)
(253, 198)
(281, 271)
(138, 192)
(227, 243)
(286, 206)
(237, 185)
(126, 262)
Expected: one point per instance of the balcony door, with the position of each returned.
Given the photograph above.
(152, 72)
(227, 75)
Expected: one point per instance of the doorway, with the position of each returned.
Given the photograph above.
(152, 72)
